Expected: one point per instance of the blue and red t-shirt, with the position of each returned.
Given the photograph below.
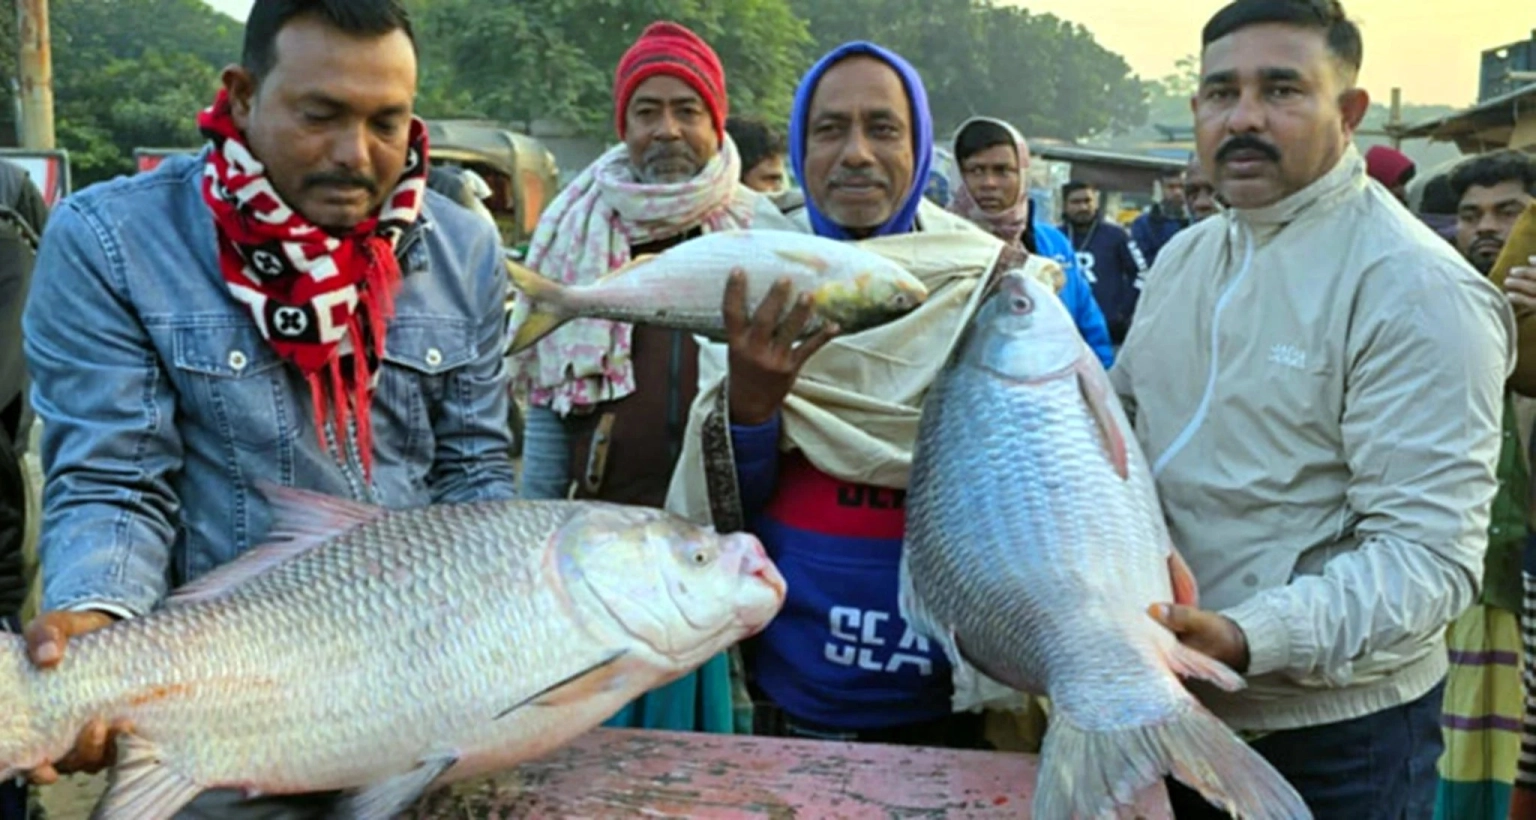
(839, 653)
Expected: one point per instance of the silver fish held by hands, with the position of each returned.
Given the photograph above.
(684, 286)
(387, 652)
(1034, 547)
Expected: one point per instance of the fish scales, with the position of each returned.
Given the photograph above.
(1035, 545)
(403, 638)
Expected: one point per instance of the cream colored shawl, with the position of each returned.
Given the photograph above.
(854, 410)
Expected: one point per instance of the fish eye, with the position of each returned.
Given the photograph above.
(1021, 303)
(700, 558)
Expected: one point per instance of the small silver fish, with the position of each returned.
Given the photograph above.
(684, 286)
(387, 652)
(1035, 544)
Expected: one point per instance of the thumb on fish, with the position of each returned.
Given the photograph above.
(1173, 616)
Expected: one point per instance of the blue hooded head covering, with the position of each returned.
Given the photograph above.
(905, 217)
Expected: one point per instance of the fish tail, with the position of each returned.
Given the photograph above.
(1087, 774)
(546, 298)
(18, 736)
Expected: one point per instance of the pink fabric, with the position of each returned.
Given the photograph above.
(1009, 223)
(586, 233)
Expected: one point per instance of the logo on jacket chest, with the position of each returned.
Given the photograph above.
(1289, 356)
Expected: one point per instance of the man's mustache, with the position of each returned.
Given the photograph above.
(340, 179)
(858, 177)
(1246, 142)
(667, 151)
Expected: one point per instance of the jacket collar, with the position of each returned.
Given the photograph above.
(1347, 177)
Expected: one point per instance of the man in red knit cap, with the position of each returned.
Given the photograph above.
(608, 402)
(1391, 168)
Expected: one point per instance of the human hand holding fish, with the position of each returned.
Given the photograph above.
(764, 359)
(95, 746)
(1209, 633)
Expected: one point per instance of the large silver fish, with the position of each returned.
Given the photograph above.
(1034, 547)
(684, 286)
(390, 652)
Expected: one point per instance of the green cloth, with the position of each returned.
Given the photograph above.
(700, 701)
(1502, 586)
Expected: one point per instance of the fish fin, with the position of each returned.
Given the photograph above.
(1185, 591)
(547, 303)
(627, 266)
(806, 258)
(301, 521)
(142, 786)
(388, 798)
(1089, 774)
(1192, 663)
(601, 676)
(1097, 396)
(974, 687)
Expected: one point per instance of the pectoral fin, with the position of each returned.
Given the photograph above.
(389, 798)
(1185, 592)
(602, 676)
(142, 785)
(1096, 394)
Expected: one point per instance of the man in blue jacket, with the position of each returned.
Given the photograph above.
(1109, 260)
(1152, 230)
(992, 160)
(288, 306)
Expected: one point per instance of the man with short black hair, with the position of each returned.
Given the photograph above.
(1327, 466)
(1106, 255)
(1492, 191)
(1153, 229)
(288, 306)
(763, 151)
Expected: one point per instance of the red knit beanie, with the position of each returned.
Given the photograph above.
(1387, 166)
(668, 48)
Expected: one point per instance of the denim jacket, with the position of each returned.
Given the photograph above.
(162, 406)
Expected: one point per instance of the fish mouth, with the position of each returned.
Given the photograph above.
(1054, 375)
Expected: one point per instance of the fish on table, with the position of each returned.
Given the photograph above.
(384, 653)
(684, 287)
(1035, 545)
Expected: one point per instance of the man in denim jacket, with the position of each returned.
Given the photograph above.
(289, 306)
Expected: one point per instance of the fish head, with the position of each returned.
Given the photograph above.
(684, 590)
(1023, 332)
(869, 298)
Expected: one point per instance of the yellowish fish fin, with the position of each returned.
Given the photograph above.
(1097, 397)
(301, 521)
(627, 266)
(143, 785)
(806, 258)
(388, 798)
(601, 676)
(1185, 592)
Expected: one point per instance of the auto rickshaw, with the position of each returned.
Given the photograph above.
(521, 172)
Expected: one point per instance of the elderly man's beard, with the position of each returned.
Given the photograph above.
(668, 163)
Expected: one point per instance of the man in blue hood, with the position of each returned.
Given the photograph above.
(808, 445)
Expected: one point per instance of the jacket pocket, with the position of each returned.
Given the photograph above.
(231, 381)
(420, 353)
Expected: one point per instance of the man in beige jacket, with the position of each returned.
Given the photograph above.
(1317, 381)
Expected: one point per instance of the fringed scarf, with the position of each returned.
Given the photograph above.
(320, 300)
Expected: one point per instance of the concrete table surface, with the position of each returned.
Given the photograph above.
(611, 773)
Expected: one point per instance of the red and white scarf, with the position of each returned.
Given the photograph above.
(316, 297)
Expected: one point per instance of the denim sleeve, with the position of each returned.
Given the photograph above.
(757, 464)
(473, 459)
(546, 455)
(109, 443)
(1077, 295)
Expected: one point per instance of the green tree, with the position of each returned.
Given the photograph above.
(131, 74)
(1047, 76)
(554, 59)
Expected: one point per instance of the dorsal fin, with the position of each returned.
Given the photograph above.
(301, 521)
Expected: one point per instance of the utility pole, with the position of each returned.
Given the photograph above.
(34, 69)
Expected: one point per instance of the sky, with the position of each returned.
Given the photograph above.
(1429, 48)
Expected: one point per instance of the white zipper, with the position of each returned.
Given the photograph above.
(1204, 408)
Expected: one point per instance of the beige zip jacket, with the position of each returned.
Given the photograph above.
(1318, 386)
